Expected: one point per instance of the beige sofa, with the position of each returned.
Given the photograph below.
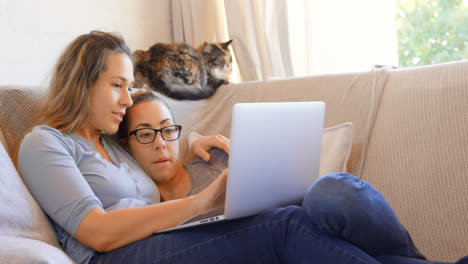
(410, 140)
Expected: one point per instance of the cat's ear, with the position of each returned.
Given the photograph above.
(137, 56)
(226, 44)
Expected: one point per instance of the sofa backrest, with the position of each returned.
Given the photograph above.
(418, 155)
(351, 97)
(19, 111)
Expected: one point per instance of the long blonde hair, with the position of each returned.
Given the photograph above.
(77, 70)
(75, 74)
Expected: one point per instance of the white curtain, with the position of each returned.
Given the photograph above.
(282, 38)
(261, 40)
(259, 29)
(197, 21)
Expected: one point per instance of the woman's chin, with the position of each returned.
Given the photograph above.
(162, 174)
(112, 128)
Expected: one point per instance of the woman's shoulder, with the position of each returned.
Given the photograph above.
(41, 143)
(43, 135)
(43, 132)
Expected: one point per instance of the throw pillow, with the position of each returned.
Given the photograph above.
(20, 214)
(16, 250)
(336, 147)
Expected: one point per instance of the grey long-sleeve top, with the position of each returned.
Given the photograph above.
(69, 178)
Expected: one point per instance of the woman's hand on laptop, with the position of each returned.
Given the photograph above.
(213, 196)
(201, 146)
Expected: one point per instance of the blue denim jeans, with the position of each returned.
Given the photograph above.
(342, 220)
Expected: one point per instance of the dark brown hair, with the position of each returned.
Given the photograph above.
(139, 97)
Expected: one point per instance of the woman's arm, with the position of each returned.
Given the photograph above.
(106, 231)
(48, 166)
(201, 146)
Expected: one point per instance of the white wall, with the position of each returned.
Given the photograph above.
(34, 32)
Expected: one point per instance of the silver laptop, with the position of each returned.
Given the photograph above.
(274, 158)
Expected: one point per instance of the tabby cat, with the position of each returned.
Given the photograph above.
(183, 72)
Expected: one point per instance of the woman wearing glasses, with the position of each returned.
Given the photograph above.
(159, 155)
(105, 208)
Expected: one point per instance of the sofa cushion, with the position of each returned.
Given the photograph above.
(20, 215)
(418, 155)
(336, 146)
(18, 250)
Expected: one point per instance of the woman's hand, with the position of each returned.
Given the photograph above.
(213, 196)
(201, 146)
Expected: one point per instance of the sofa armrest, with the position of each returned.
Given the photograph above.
(29, 251)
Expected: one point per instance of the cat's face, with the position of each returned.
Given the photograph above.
(184, 67)
(180, 66)
(175, 64)
(217, 59)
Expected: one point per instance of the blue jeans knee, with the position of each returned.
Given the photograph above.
(341, 205)
(331, 193)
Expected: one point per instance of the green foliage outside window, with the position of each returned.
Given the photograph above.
(432, 31)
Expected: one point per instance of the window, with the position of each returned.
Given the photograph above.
(343, 36)
(336, 36)
(431, 31)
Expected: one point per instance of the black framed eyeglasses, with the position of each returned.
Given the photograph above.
(147, 135)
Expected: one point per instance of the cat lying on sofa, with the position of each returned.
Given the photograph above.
(183, 72)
